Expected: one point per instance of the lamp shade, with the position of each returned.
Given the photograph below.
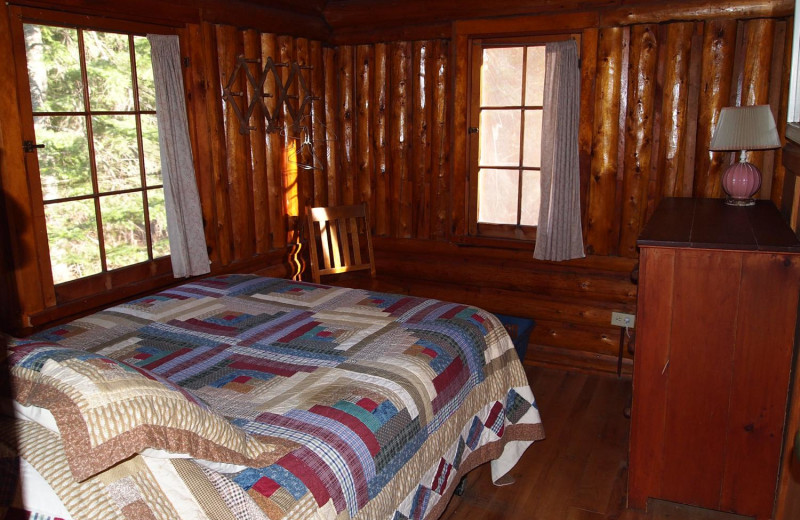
(745, 128)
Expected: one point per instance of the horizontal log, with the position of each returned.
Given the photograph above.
(575, 361)
(582, 328)
(565, 22)
(266, 18)
(659, 12)
(518, 253)
(366, 33)
(514, 303)
(571, 336)
(384, 15)
(499, 276)
(121, 12)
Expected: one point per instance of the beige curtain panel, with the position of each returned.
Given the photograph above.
(559, 236)
(187, 242)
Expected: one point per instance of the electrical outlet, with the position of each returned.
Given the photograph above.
(620, 319)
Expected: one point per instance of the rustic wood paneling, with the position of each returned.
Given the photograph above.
(258, 151)
(209, 68)
(347, 145)
(199, 89)
(571, 302)
(589, 39)
(305, 135)
(274, 154)
(758, 36)
(658, 12)
(719, 39)
(291, 179)
(779, 85)
(237, 174)
(677, 53)
(319, 146)
(331, 130)
(440, 141)
(421, 138)
(380, 211)
(639, 131)
(460, 104)
(365, 66)
(601, 228)
(400, 129)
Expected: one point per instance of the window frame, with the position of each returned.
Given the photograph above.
(476, 45)
(106, 286)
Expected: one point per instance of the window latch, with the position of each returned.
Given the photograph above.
(472, 130)
(30, 146)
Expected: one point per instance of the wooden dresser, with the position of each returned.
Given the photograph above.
(716, 322)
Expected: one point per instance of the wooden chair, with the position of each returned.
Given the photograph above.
(336, 234)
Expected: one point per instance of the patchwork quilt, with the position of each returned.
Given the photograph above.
(247, 397)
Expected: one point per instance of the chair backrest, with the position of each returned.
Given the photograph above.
(335, 238)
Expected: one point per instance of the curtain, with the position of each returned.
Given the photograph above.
(559, 236)
(187, 242)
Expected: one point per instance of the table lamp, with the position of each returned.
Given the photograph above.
(742, 129)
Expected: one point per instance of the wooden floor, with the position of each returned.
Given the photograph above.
(579, 472)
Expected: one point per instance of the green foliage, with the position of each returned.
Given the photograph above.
(73, 228)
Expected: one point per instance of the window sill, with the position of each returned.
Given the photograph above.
(497, 243)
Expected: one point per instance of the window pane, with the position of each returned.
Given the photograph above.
(116, 152)
(497, 196)
(534, 78)
(108, 68)
(123, 229)
(72, 235)
(158, 222)
(64, 160)
(532, 151)
(152, 152)
(501, 77)
(54, 70)
(144, 74)
(531, 198)
(499, 138)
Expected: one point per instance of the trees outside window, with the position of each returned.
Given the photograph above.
(506, 132)
(93, 107)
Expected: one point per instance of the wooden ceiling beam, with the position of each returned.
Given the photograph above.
(363, 21)
(173, 13)
(347, 14)
(261, 15)
(290, 17)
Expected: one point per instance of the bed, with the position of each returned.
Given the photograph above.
(240, 396)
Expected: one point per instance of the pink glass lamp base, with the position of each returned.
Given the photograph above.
(741, 181)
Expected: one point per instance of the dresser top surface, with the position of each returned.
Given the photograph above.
(711, 224)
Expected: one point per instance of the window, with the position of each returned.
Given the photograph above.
(93, 108)
(505, 126)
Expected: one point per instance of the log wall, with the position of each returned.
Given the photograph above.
(378, 131)
(385, 126)
(652, 94)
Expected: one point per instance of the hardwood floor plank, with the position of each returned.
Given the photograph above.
(608, 456)
(574, 513)
(569, 456)
(579, 471)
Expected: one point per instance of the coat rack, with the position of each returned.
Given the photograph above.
(272, 119)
